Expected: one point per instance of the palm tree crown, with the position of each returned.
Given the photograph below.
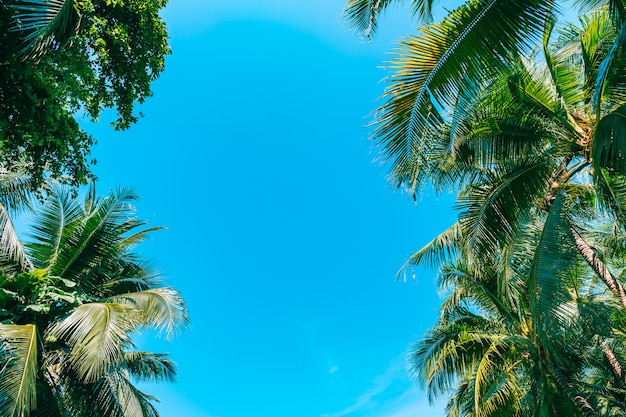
(70, 307)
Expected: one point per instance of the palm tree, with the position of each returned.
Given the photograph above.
(533, 336)
(538, 130)
(435, 72)
(70, 311)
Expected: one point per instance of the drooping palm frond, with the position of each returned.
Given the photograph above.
(117, 396)
(554, 259)
(112, 395)
(46, 24)
(160, 308)
(18, 369)
(11, 248)
(151, 367)
(608, 149)
(440, 249)
(97, 334)
(362, 14)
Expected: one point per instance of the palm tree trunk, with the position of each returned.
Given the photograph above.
(612, 359)
(579, 401)
(599, 267)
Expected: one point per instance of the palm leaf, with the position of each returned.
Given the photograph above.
(608, 148)
(18, 362)
(470, 45)
(493, 211)
(161, 308)
(148, 366)
(442, 248)
(11, 247)
(97, 333)
(46, 24)
(53, 222)
(361, 14)
(98, 235)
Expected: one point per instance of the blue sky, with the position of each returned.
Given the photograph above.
(283, 234)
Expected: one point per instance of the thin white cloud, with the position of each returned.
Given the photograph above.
(395, 371)
(333, 369)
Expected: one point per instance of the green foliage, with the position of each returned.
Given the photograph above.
(533, 142)
(83, 299)
(105, 57)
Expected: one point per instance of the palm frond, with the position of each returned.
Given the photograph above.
(53, 220)
(46, 24)
(148, 366)
(161, 308)
(97, 333)
(18, 369)
(362, 14)
(11, 247)
(440, 249)
(98, 235)
(470, 45)
(493, 210)
(553, 260)
(608, 149)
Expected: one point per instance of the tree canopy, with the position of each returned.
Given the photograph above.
(59, 65)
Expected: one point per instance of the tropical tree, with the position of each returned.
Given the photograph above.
(70, 301)
(521, 132)
(63, 59)
(534, 335)
(436, 70)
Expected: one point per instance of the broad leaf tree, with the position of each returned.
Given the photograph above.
(65, 60)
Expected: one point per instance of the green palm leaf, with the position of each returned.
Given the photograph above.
(46, 23)
(18, 362)
(161, 308)
(493, 211)
(148, 366)
(97, 333)
(442, 248)
(472, 44)
(609, 142)
(54, 220)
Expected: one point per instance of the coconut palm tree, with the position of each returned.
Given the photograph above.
(533, 336)
(435, 72)
(69, 313)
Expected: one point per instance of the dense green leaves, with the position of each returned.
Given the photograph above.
(63, 59)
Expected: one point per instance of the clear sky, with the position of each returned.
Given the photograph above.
(283, 236)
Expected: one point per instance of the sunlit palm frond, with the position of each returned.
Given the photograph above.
(362, 14)
(97, 334)
(54, 220)
(449, 351)
(161, 308)
(470, 45)
(18, 369)
(46, 24)
(103, 225)
(11, 247)
(440, 249)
